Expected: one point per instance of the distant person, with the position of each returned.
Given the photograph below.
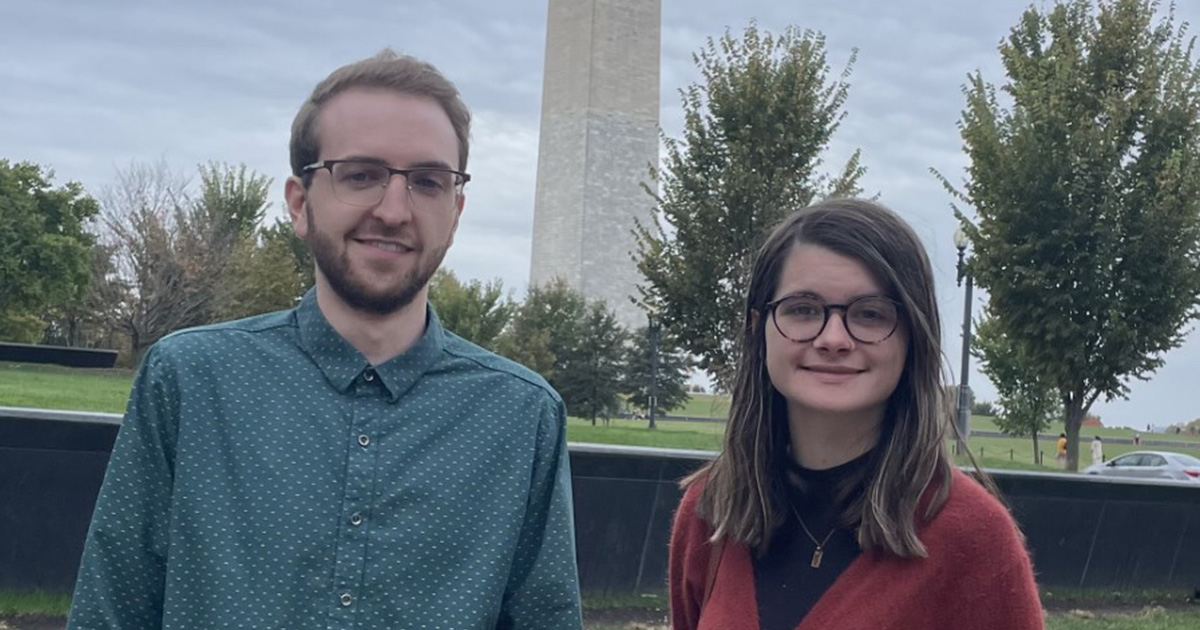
(1061, 454)
(1137, 439)
(347, 463)
(1097, 451)
(834, 503)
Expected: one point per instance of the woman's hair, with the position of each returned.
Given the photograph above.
(745, 495)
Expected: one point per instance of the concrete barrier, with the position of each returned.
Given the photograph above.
(1083, 532)
(58, 355)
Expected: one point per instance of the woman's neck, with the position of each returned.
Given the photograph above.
(822, 441)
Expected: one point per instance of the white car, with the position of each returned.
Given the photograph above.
(1149, 465)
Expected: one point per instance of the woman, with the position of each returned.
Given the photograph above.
(833, 503)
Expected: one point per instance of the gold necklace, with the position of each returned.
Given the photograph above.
(819, 552)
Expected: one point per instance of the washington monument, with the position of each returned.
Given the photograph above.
(599, 137)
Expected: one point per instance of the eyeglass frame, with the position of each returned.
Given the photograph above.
(328, 165)
(828, 310)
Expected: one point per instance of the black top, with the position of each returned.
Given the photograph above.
(785, 582)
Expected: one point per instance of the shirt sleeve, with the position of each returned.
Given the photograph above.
(543, 583)
(121, 578)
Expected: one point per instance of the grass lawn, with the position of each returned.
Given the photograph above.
(1076, 611)
(703, 406)
(33, 603)
(1079, 610)
(703, 436)
(55, 387)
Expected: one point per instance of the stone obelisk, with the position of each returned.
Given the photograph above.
(599, 137)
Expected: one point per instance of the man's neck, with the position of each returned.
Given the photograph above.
(378, 337)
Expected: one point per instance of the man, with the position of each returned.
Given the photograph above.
(347, 463)
(1061, 450)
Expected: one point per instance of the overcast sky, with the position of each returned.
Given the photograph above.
(87, 87)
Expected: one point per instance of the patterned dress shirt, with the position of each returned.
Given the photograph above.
(267, 476)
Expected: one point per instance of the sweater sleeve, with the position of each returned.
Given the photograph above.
(997, 590)
(689, 553)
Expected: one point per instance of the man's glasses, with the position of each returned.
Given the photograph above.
(868, 319)
(360, 183)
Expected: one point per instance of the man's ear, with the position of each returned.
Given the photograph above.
(296, 196)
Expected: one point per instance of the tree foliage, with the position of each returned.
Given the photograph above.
(588, 371)
(45, 250)
(263, 275)
(475, 311)
(235, 194)
(1028, 402)
(671, 385)
(182, 259)
(544, 327)
(1086, 183)
(575, 346)
(755, 131)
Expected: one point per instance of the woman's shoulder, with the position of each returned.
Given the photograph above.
(973, 517)
(692, 491)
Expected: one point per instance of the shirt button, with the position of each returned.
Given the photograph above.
(369, 376)
(346, 599)
(356, 519)
(363, 441)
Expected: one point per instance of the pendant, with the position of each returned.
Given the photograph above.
(816, 559)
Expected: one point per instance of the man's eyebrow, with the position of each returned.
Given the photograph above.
(382, 162)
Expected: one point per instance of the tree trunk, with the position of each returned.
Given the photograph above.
(1036, 458)
(1075, 412)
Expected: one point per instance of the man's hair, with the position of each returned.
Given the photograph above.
(745, 497)
(386, 70)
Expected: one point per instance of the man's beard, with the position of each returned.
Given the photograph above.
(336, 268)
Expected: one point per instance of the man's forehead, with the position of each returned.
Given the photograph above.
(381, 122)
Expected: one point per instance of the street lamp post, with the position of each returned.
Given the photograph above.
(964, 390)
(652, 331)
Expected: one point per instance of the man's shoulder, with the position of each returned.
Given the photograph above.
(511, 372)
(223, 337)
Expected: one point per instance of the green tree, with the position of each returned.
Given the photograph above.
(45, 250)
(755, 132)
(588, 368)
(1086, 183)
(544, 329)
(671, 385)
(983, 408)
(575, 346)
(263, 277)
(237, 195)
(216, 241)
(283, 232)
(1028, 402)
(475, 311)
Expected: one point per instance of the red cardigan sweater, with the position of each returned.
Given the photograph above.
(977, 576)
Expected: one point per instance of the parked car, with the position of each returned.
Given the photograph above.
(1149, 465)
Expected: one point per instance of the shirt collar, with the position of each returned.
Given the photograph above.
(342, 364)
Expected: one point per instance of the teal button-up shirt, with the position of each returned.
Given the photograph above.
(267, 476)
